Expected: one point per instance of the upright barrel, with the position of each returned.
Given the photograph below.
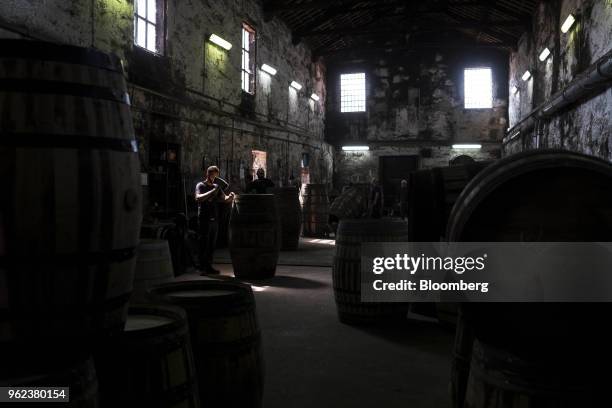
(346, 273)
(70, 209)
(432, 194)
(255, 236)
(151, 363)
(226, 339)
(548, 196)
(290, 213)
(153, 266)
(315, 210)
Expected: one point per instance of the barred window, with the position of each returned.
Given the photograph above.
(248, 58)
(146, 25)
(478, 87)
(352, 92)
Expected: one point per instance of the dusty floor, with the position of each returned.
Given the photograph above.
(312, 360)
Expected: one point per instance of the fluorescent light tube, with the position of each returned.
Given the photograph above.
(514, 90)
(355, 148)
(296, 85)
(314, 97)
(466, 146)
(526, 76)
(267, 68)
(568, 23)
(215, 39)
(544, 54)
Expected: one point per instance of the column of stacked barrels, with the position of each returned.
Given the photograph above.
(315, 211)
(70, 213)
(541, 354)
(432, 194)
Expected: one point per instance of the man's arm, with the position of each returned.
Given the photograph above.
(199, 197)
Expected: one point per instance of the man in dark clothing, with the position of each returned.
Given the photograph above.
(376, 200)
(404, 199)
(261, 185)
(207, 194)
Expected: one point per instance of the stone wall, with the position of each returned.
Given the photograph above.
(414, 106)
(585, 126)
(191, 95)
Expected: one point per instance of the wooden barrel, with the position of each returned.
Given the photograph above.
(500, 379)
(315, 211)
(351, 203)
(462, 356)
(225, 210)
(226, 339)
(255, 236)
(153, 266)
(346, 273)
(549, 196)
(77, 374)
(432, 194)
(290, 213)
(70, 209)
(151, 363)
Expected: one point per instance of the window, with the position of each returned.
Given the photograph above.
(146, 27)
(352, 92)
(248, 58)
(478, 87)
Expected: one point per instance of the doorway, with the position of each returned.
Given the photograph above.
(394, 169)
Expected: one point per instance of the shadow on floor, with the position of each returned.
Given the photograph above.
(417, 334)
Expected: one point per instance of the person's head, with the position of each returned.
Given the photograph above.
(404, 183)
(261, 173)
(212, 172)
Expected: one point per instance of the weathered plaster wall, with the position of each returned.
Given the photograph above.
(586, 126)
(191, 94)
(414, 102)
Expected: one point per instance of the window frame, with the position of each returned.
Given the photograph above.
(251, 70)
(159, 26)
(465, 87)
(343, 96)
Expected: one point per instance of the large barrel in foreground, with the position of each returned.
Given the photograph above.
(255, 236)
(70, 209)
(76, 373)
(290, 213)
(151, 363)
(226, 339)
(346, 273)
(315, 211)
(541, 196)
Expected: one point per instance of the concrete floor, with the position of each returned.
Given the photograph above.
(312, 360)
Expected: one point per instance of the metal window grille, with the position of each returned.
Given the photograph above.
(478, 88)
(352, 92)
(248, 59)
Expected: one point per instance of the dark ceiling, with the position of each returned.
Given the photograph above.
(331, 26)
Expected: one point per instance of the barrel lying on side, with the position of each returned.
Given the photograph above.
(151, 363)
(290, 213)
(255, 236)
(346, 272)
(315, 211)
(533, 354)
(70, 209)
(226, 339)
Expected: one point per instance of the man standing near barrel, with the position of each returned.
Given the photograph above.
(261, 185)
(208, 194)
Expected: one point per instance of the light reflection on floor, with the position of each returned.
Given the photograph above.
(322, 241)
